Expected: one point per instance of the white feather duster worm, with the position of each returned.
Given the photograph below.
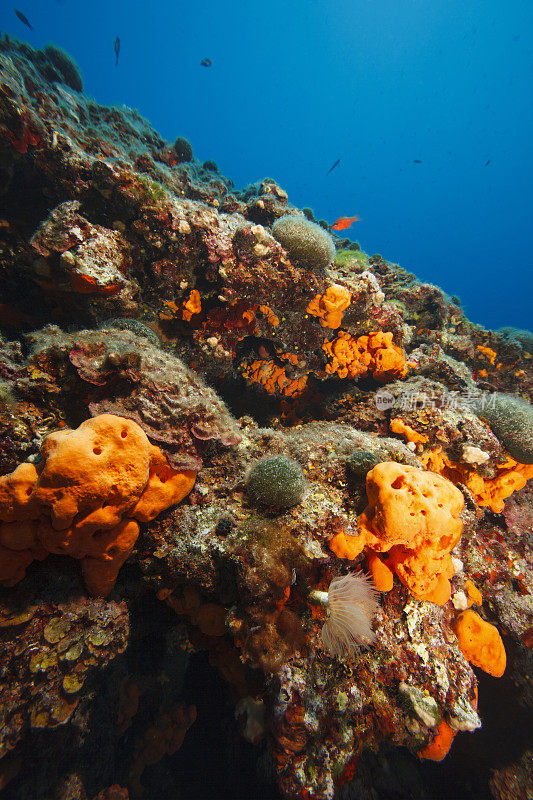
(352, 602)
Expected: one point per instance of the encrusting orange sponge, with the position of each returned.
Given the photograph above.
(491, 492)
(397, 425)
(90, 486)
(17, 501)
(382, 575)
(95, 473)
(414, 516)
(329, 307)
(439, 748)
(192, 306)
(480, 643)
(374, 353)
(473, 595)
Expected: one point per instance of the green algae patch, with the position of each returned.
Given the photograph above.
(356, 257)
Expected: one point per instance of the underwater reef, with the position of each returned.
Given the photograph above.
(261, 493)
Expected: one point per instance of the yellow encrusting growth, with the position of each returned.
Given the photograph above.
(398, 426)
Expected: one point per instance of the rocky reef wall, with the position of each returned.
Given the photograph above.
(301, 412)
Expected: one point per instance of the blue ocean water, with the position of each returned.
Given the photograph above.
(427, 104)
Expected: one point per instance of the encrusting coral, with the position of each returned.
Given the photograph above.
(91, 486)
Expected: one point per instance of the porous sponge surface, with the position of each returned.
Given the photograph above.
(99, 470)
(91, 488)
(414, 516)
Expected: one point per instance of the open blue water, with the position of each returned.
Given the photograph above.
(297, 84)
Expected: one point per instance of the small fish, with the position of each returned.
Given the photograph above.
(117, 50)
(344, 222)
(487, 162)
(417, 161)
(23, 19)
(206, 62)
(336, 164)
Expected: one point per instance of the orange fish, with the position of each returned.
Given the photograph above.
(344, 222)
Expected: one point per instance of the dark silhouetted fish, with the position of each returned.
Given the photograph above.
(23, 19)
(487, 162)
(336, 164)
(117, 50)
(417, 161)
(206, 62)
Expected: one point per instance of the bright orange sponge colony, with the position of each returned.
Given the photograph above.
(375, 353)
(439, 748)
(414, 516)
(480, 643)
(329, 307)
(90, 486)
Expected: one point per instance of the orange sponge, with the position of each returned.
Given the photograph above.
(17, 500)
(166, 487)
(13, 565)
(329, 307)
(480, 643)
(192, 306)
(412, 515)
(92, 480)
(106, 554)
(491, 492)
(18, 548)
(474, 596)
(397, 425)
(440, 746)
(382, 575)
(374, 353)
(98, 470)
